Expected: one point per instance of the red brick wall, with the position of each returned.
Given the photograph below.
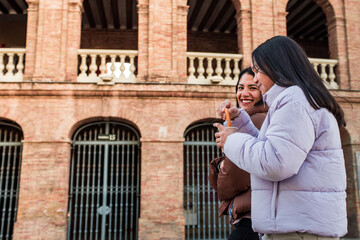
(50, 112)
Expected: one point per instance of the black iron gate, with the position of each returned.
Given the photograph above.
(10, 163)
(200, 200)
(104, 182)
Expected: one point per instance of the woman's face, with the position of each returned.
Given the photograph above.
(248, 93)
(264, 82)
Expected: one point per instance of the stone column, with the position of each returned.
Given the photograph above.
(162, 41)
(53, 37)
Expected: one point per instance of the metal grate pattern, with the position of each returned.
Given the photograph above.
(200, 200)
(10, 163)
(105, 182)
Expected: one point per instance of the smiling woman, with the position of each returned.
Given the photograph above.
(247, 91)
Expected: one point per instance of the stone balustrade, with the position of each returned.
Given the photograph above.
(107, 66)
(208, 68)
(111, 66)
(325, 69)
(11, 64)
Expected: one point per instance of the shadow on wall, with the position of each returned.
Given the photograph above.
(352, 192)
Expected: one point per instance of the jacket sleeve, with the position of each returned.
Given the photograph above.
(283, 149)
(244, 124)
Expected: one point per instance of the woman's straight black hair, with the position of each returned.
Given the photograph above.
(247, 71)
(286, 64)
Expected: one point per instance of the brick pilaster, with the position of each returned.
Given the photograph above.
(53, 37)
(162, 41)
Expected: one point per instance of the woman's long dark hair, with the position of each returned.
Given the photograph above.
(247, 71)
(286, 64)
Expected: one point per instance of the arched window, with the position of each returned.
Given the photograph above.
(212, 42)
(109, 40)
(10, 162)
(104, 190)
(13, 24)
(200, 200)
(306, 24)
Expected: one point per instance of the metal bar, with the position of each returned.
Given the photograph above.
(104, 195)
(194, 206)
(208, 187)
(6, 184)
(187, 169)
(200, 143)
(98, 193)
(71, 192)
(76, 191)
(116, 189)
(133, 190)
(127, 189)
(198, 185)
(203, 185)
(93, 206)
(10, 144)
(18, 182)
(10, 220)
(111, 188)
(214, 200)
(122, 184)
(81, 205)
(2, 169)
(87, 210)
(137, 192)
(107, 143)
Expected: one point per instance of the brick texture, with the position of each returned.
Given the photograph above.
(49, 106)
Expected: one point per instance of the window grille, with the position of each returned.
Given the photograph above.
(104, 190)
(200, 200)
(10, 162)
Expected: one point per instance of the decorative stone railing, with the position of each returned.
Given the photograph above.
(11, 64)
(208, 68)
(325, 69)
(107, 66)
(223, 68)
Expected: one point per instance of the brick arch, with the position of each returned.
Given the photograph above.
(10, 121)
(331, 8)
(16, 121)
(237, 5)
(85, 121)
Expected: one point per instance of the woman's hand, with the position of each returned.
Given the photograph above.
(233, 110)
(223, 133)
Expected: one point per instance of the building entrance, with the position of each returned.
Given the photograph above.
(104, 187)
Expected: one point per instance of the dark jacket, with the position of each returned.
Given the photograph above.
(231, 183)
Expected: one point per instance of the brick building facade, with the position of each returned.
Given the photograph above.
(51, 103)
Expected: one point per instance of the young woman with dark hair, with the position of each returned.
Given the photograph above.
(230, 182)
(296, 162)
